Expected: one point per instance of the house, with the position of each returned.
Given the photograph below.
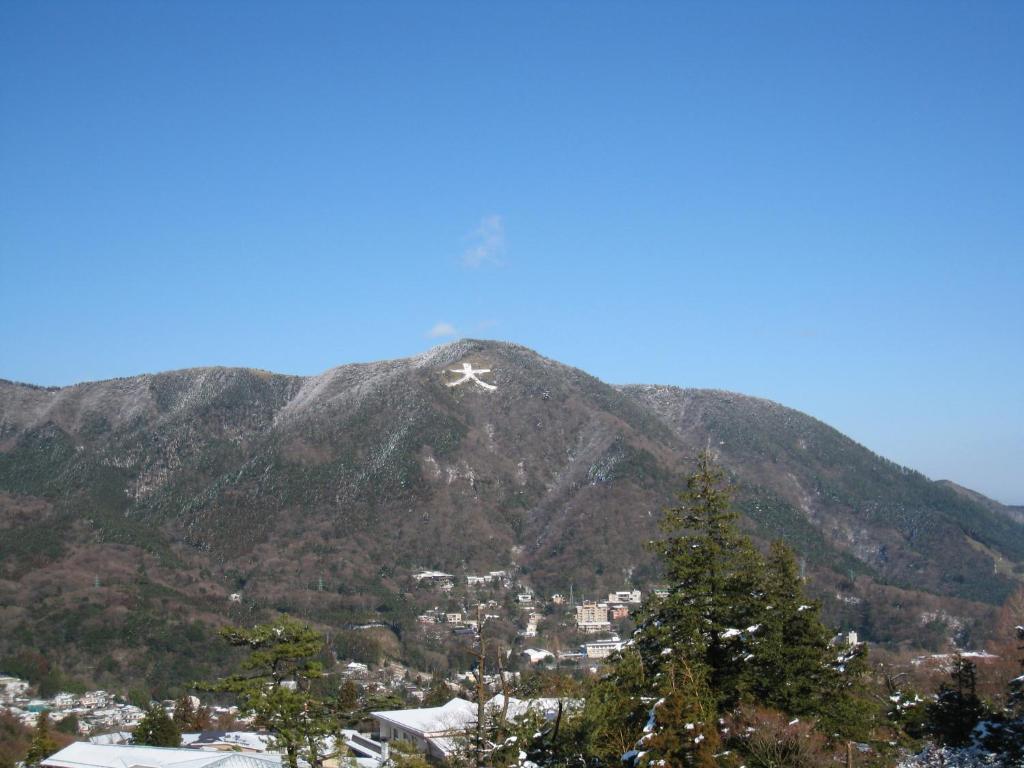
(433, 730)
(525, 597)
(82, 754)
(453, 618)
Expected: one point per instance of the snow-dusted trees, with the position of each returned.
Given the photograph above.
(733, 630)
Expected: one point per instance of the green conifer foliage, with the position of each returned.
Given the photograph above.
(275, 685)
(733, 628)
(616, 709)
(43, 744)
(156, 729)
(682, 726)
(715, 603)
(793, 656)
(957, 708)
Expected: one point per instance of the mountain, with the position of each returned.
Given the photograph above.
(130, 509)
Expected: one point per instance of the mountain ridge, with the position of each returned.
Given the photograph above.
(215, 479)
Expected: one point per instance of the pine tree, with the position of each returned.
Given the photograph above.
(275, 685)
(156, 729)
(43, 744)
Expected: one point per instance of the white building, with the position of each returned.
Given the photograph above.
(631, 597)
(227, 741)
(433, 730)
(602, 649)
(85, 755)
(537, 655)
(64, 700)
(547, 707)
(12, 688)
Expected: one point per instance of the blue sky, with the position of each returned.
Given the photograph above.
(822, 204)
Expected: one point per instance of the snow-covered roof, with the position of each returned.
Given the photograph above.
(537, 654)
(548, 707)
(117, 737)
(456, 715)
(86, 755)
(252, 742)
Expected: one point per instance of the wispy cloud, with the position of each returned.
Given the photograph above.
(486, 242)
(440, 330)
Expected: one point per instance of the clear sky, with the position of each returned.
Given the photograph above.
(818, 203)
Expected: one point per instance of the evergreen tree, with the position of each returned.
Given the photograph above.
(43, 744)
(732, 628)
(348, 697)
(957, 708)
(156, 729)
(616, 709)
(68, 724)
(796, 668)
(715, 604)
(438, 695)
(190, 716)
(275, 685)
(682, 725)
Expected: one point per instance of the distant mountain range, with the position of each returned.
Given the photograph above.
(131, 508)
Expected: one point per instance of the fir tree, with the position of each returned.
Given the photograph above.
(43, 744)
(793, 669)
(682, 725)
(734, 628)
(156, 729)
(957, 708)
(616, 709)
(715, 601)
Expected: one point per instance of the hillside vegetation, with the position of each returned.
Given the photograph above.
(130, 509)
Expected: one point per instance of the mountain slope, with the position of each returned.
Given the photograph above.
(143, 502)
